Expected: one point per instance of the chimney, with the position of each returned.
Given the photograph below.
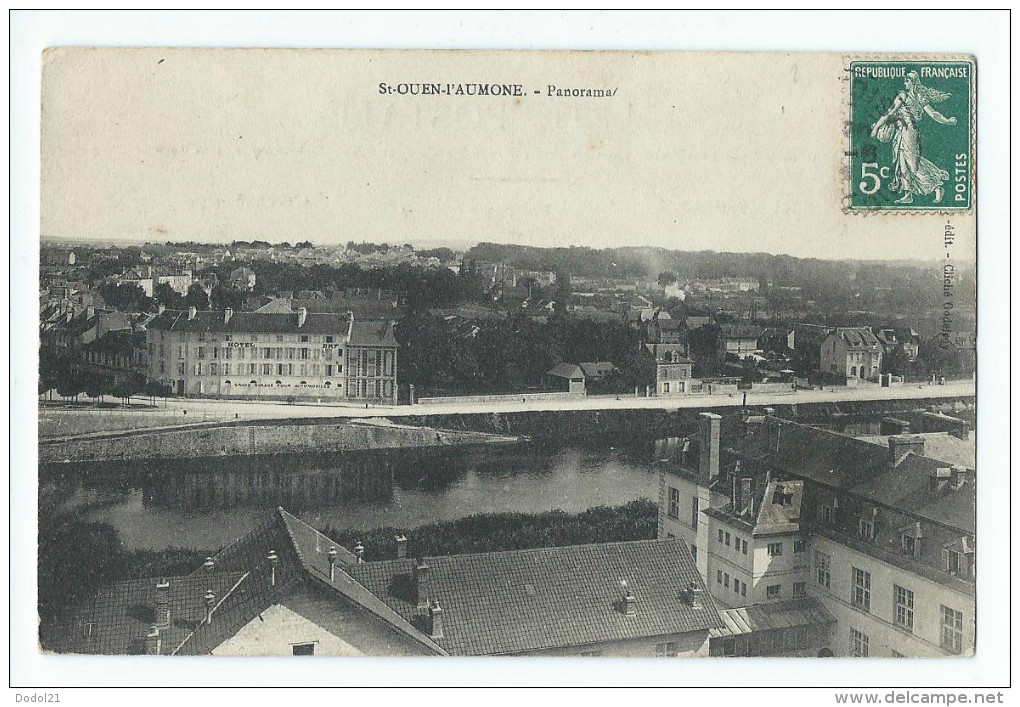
(628, 605)
(684, 452)
(901, 445)
(359, 550)
(191, 313)
(209, 565)
(958, 477)
(401, 547)
(302, 314)
(227, 314)
(745, 495)
(421, 584)
(163, 603)
(693, 595)
(708, 446)
(893, 426)
(153, 643)
(162, 308)
(210, 602)
(332, 562)
(273, 559)
(435, 623)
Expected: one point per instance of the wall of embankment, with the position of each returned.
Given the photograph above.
(258, 439)
(649, 422)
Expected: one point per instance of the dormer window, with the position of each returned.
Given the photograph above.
(956, 558)
(910, 540)
(827, 513)
(866, 528)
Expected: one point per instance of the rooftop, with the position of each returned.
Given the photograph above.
(531, 600)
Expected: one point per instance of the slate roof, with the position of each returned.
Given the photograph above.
(372, 334)
(531, 600)
(862, 469)
(772, 615)
(776, 517)
(565, 370)
(857, 337)
(261, 322)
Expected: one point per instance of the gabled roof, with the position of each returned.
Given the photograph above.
(259, 322)
(372, 334)
(532, 600)
(565, 370)
(596, 369)
(856, 337)
(739, 331)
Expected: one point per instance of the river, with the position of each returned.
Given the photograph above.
(206, 503)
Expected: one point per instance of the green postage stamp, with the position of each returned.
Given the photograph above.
(911, 135)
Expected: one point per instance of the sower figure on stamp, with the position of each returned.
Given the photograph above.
(913, 174)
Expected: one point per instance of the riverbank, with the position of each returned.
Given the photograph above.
(254, 439)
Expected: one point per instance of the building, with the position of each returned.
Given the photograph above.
(668, 343)
(566, 375)
(740, 340)
(597, 370)
(882, 537)
(242, 278)
(903, 339)
(286, 589)
(273, 355)
(851, 352)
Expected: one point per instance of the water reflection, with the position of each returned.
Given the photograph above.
(206, 503)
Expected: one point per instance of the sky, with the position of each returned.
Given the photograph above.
(725, 152)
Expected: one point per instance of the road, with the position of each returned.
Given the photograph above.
(179, 412)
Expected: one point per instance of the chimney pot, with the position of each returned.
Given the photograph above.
(191, 313)
(359, 550)
(209, 565)
(694, 595)
(629, 603)
(273, 559)
(210, 602)
(332, 562)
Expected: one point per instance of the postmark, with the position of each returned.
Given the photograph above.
(911, 145)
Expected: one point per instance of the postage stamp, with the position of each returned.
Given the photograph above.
(911, 139)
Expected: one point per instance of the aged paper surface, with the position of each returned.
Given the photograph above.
(774, 161)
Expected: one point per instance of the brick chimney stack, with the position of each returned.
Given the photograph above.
(901, 445)
(302, 314)
(227, 314)
(210, 602)
(359, 550)
(421, 584)
(694, 595)
(209, 565)
(332, 562)
(191, 313)
(628, 605)
(709, 425)
(401, 547)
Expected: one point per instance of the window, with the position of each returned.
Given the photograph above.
(823, 564)
(952, 630)
(665, 387)
(694, 513)
(860, 597)
(866, 528)
(329, 369)
(304, 354)
(720, 535)
(214, 369)
(773, 591)
(279, 337)
(799, 589)
(87, 630)
(909, 545)
(743, 589)
(304, 649)
(198, 369)
(674, 502)
(201, 352)
(858, 644)
(726, 579)
(775, 549)
(694, 552)
(826, 514)
(718, 576)
(727, 539)
(666, 650)
(180, 369)
(951, 561)
(329, 339)
(798, 546)
(903, 607)
(304, 338)
(743, 546)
